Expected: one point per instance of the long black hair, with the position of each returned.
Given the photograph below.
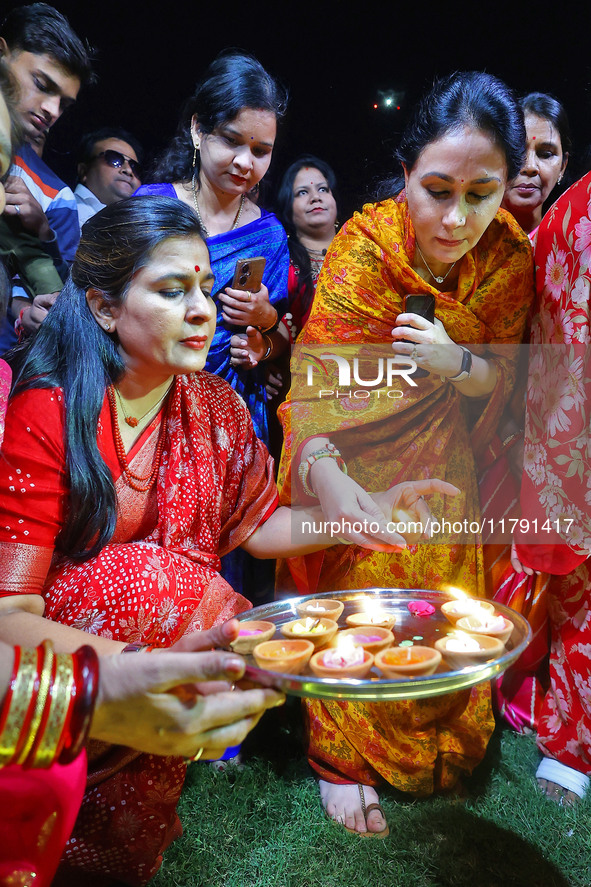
(73, 352)
(284, 210)
(233, 81)
(468, 99)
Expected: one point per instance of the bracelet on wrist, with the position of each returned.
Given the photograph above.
(269, 350)
(137, 647)
(49, 706)
(86, 673)
(273, 326)
(329, 451)
(465, 369)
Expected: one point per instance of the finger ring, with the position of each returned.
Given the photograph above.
(413, 353)
(17, 208)
(249, 294)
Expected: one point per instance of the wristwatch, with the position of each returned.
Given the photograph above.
(465, 369)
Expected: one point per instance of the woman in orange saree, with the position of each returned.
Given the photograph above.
(444, 236)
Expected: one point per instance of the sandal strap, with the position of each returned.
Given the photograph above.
(567, 777)
(377, 807)
(362, 796)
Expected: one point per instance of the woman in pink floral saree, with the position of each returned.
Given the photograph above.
(556, 489)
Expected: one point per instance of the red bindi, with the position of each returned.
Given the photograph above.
(197, 268)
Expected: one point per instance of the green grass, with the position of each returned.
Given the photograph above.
(263, 826)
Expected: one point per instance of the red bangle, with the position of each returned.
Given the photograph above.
(86, 673)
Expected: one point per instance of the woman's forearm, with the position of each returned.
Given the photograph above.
(482, 379)
(26, 629)
(290, 532)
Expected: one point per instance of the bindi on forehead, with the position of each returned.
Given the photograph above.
(197, 269)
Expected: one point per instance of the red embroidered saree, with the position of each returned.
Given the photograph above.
(427, 431)
(155, 581)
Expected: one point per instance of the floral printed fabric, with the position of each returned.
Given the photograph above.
(424, 433)
(557, 481)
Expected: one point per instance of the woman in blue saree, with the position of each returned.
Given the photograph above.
(222, 149)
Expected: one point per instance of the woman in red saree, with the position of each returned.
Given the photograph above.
(126, 471)
(556, 487)
(444, 236)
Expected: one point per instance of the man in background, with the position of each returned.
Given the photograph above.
(109, 169)
(49, 64)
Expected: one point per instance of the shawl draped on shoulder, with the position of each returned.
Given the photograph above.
(414, 432)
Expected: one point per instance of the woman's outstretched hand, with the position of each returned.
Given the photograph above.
(180, 700)
(403, 504)
(366, 519)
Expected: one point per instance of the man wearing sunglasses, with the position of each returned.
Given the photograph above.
(49, 64)
(109, 170)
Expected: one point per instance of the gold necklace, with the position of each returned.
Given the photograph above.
(133, 421)
(203, 228)
(434, 276)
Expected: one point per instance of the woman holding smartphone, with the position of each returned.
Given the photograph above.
(222, 149)
(442, 235)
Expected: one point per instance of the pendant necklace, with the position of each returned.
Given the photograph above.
(139, 483)
(133, 421)
(236, 217)
(434, 276)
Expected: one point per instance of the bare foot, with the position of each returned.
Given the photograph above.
(562, 796)
(343, 804)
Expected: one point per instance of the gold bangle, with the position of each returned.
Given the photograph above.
(50, 744)
(272, 325)
(19, 706)
(269, 346)
(44, 687)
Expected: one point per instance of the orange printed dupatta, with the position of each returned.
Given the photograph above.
(426, 431)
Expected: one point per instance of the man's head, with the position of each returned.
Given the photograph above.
(49, 62)
(109, 163)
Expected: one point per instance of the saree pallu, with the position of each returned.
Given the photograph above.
(425, 431)
(556, 487)
(157, 579)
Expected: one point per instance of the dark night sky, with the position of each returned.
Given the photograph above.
(333, 62)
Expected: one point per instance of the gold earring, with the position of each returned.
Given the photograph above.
(195, 149)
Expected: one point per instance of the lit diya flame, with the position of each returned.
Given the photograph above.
(465, 605)
(375, 614)
(461, 642)
(345, 654)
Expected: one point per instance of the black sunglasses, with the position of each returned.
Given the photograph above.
(117, 161)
